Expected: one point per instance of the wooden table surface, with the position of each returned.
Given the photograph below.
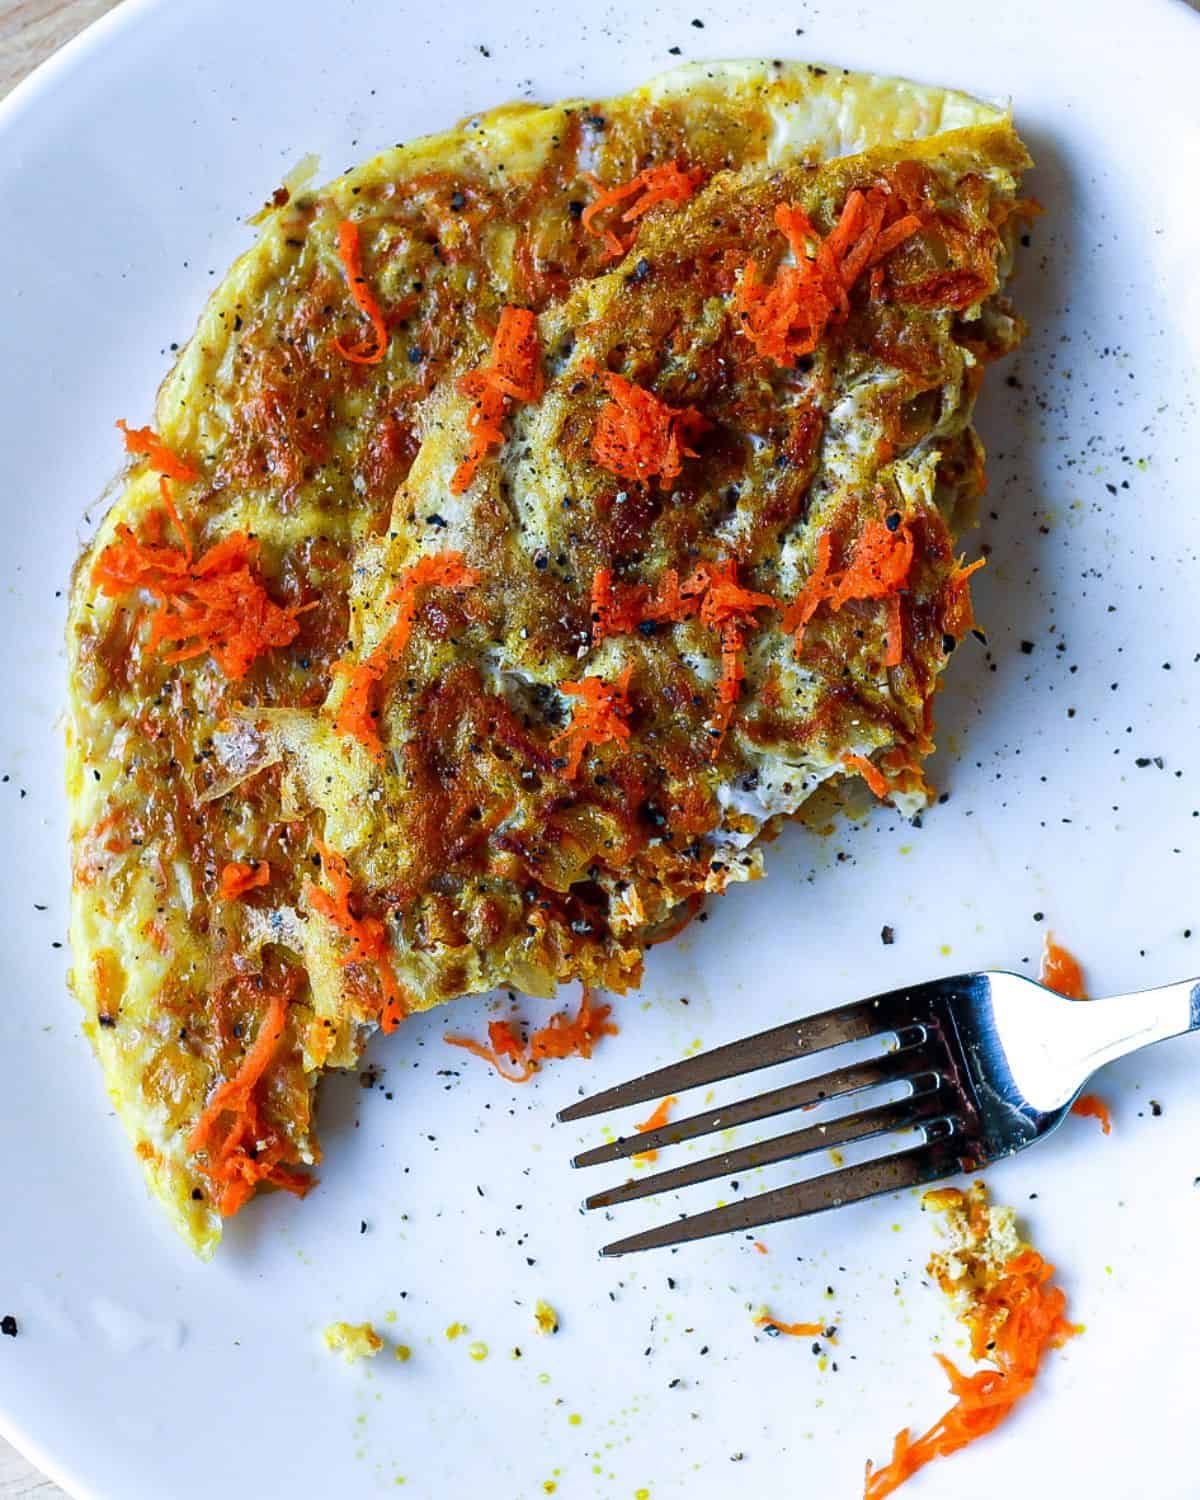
(29, 31)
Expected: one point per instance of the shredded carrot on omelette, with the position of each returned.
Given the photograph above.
(162, 459)
(728, 609)
(712, 592)
(238, 878)
(358, 712)
(246, 1153)
(368, 935)
(638, 437)
(878, 568)
(869, 772)
(957, 616)
(512, 374)
(374, 346)
(600, 716)
(668, 183)
(215, 603)
(787, 317)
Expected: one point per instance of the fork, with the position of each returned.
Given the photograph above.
(989, 1063)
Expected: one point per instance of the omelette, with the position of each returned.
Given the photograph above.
(539, 515)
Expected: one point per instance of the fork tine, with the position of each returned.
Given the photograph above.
(829, 1028)
(892, 1067)
(914, 1167)
(856, 1127)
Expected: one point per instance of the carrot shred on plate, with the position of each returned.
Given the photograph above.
(1012, 1324)
(639, 437)
(494, 1058)
(1094, 1108)
(562, 1036)
(573, 1036)
(668, 183)
(162, 459)
(660, 1116)
(215, 604)
(1061, 971)
(513, 373)
(371, 349)
(358, 711)
(793, 1330)
(600, 717)
(237, 878)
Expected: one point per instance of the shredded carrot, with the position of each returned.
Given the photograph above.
(368, 935)
(168, 500)
(525, 1067)
(880, 564)
(957, 615)
(760, 1247)
(879, 568)
(618, 608)
(870, 773)
(1013, 1324)
(573, 1036)
(513, 373)
(1061, 971)
(238, 878)
(727, 608)
(1094, 1108)
(711, 591)
(215, 603)
(813, 595)
(358, 712)
(442, 570)
(504, 1042)
(600, 717)
(794, 1330)
(372, 348)
(562, 1036)
(240, 1158)
(660, 1116)
(638, 437)
(163, 460)
(787, 318)
(669, 183)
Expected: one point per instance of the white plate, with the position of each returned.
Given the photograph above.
(126, 168)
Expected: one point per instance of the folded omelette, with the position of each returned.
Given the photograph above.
(539, 515)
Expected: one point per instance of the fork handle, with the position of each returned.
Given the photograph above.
(1104, 1030)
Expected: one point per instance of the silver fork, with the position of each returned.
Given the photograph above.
(990, 1062)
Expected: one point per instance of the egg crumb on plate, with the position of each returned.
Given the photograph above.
(353, 1341)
